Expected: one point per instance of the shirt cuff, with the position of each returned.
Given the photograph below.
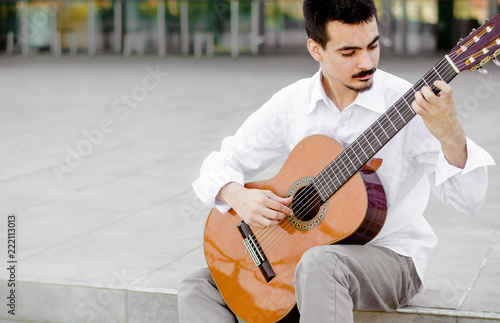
(221, 206)
(207, 187)
(476, 157)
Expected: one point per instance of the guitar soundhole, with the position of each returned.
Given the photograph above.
(306, 203)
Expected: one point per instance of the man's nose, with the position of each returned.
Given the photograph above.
(365, 61)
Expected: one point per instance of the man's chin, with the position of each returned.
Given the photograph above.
(365, 86)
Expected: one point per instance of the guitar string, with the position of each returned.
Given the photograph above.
(267, 242)
(385, 122)
(447, 74)
(439, 66)
(392, 112)
(396, 109)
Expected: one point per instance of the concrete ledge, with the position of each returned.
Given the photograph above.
(449, 312)
(55, 302)
(423, 316)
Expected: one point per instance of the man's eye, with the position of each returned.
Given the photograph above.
(348, 54)
(374, 46)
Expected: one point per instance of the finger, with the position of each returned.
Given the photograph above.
(279, 203)
(420, 103)
(274, 211)
(262, 222)
(258, 220)
(273, 215)
(255, 225)
(282, 200)
(446, 89)
(418, 109)
(427, 94)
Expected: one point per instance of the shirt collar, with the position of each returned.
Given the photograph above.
(318, 92)
(372, 99)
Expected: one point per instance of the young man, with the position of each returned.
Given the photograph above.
(343, 99)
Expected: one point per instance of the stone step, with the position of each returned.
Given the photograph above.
(61, 303)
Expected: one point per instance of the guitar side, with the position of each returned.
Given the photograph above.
(354, 214)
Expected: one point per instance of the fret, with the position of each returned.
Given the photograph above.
(440, 77)
(388, 129)
(330, 177)
(433, 79)
(342, 160)
(349, 158)
(349, 149)
(409, 97)
(339, 171)
(325, 188)
(321, 193)
(329, 190)
(362, 150)
(419, 85)
(322, 184)
(397, 110)
(383, 129)
(374, 135)
(368, 142)
(338, 180)
(392, 123)
(404, 99)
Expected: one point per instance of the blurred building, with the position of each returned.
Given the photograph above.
(211, 27)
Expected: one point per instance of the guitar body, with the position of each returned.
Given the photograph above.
(354, 214)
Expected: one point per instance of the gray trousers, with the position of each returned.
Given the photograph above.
(330, 281)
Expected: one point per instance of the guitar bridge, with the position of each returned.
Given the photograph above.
(255, 251)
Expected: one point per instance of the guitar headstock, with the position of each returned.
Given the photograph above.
(480, 47)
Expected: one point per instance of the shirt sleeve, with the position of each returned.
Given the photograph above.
(261, 140)
(463, 189)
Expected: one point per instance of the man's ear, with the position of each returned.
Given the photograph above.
(315, 50)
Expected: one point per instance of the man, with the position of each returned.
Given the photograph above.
(343, 99)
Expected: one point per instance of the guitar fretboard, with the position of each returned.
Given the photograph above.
(359, 152)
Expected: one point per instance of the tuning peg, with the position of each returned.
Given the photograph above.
(482, 70)
(495, 60)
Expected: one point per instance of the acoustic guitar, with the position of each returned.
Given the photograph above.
(339, 201)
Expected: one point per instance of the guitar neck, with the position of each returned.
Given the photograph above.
(360, 151)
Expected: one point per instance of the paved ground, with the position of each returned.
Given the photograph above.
(98, 155)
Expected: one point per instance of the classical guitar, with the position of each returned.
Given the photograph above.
(339, 201)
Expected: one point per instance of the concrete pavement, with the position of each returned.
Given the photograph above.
(98, 155)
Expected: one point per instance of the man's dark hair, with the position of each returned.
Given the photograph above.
(317, 13)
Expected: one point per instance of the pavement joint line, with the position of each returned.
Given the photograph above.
(41, 170)
(448, 312)
(78, 190)
(134, 171)
(128, 288)
(479, 270)
(108, 224)
(167, 264)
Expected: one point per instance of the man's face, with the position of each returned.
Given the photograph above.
(351, 56)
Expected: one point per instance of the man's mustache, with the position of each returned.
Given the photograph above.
(365, 72)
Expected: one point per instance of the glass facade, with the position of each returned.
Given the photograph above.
(209, 27)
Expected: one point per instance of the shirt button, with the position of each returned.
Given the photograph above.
(343, 124)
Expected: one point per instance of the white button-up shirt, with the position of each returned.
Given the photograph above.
(413, 162)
